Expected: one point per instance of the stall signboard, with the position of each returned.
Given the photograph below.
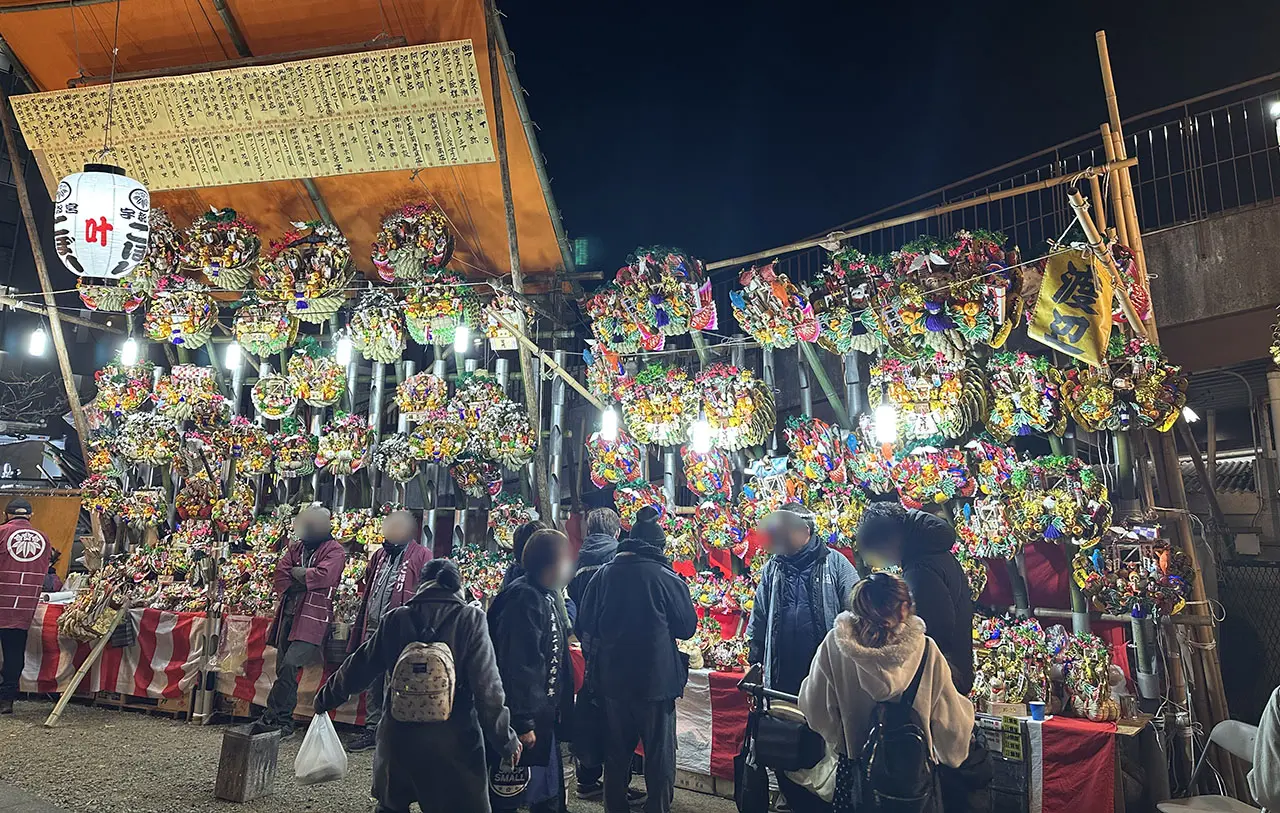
(1073, 311)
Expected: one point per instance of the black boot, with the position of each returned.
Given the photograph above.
(6, 707)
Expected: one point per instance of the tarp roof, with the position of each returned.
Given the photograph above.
(162, 34)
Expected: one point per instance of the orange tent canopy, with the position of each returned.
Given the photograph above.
(57, 44)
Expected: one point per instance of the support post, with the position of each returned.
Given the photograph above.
(1211, 432)
(460, 496)
(377, 392)
(431, 482)
(820, 373)
(556, 467)
(532, 403)
(769, 380)
(855, 391)
(669, 463)
(806, 391)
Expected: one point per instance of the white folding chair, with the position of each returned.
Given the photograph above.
(1237, 739)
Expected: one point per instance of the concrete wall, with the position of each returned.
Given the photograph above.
(1215, 268)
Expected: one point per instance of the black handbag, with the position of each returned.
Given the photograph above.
(784, 743)
(750, 778)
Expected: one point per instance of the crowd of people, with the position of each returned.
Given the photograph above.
(837, 643)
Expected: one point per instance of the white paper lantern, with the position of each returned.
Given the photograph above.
(101, 222)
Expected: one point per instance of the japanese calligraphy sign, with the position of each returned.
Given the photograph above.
(399, 108)
(1073, 312)
(101, 222)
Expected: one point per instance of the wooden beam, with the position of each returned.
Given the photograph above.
(18, 304)
(533, 348)
(49, 6)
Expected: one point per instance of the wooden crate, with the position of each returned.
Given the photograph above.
(233, 707)
(177, 707)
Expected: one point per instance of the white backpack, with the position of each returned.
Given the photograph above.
(422, 683)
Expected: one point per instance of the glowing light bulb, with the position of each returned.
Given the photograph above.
(38, 341)
(342, 352)
(609, 424)
(1189, 415)
(700, 436)
(233, 356)
(462, 338)
(886, 424)
(129, 352)
(1275, 110)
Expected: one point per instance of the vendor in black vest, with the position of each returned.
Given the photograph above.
(921, 544)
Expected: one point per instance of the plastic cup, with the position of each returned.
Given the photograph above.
(1037, 709)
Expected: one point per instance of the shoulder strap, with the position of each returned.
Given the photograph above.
(908, 698)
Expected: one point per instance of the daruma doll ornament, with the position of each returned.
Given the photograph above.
(101, 222)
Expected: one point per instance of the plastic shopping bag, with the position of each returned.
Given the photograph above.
(322, 757)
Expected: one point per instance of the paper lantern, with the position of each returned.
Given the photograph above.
(101, 222)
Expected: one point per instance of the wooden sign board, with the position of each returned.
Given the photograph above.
(396, 109)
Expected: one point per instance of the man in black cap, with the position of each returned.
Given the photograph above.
(24, 560)
(635, 609)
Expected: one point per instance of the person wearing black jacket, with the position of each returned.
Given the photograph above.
(518, 540)
(531, 638)
(635, 609)
(921, 543)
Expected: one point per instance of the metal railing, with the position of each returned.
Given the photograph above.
(1196, 159)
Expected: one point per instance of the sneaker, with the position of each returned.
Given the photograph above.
(590, 790)
(6, 707)
(364, 741)
(636, 797)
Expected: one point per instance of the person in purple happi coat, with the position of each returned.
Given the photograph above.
(306, 577)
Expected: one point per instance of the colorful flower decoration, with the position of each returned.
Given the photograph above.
(816, 448)
(122, 390)
(1087, 676)
(248, 583)
(439, 439)
(926, 475)
(101, 493)
(234, 514)
(506, 435)
(346, 525)
(270, 533)
(477, 394)
(710, 475)
(660, 404)
(394, 456)
(264, 328)
(195, 498)
(669, 290)
(1138, 386)
(606, 374)
(837, 510)
(148, 438)
(223, 247)
(482, 571)
(738, 406)
(718, 526)
(975, 570)
(315, 376)
(772, 309)
(164, 249)
(614, 462)
(413, 240)
(682, 540)
(346, 596)
(308, 269)
(476, 478)
(1024, 396)
(992, 466)
(377, 327)
(421, 394)
(117, 298)
(935, 397)
(615, 324)
(101, 451)
(844, 291)
(1011, 663)
(629, 499)
(295, 450)
(985, 532)
(509, 512)
(143, 508)
(249, 445)
(506, 305)
(187, 391)
(434, 309)
(868, 467)
(714, 593)
(182, 312)
(1134, 573)
(344, 445)
(1058, 499)
(273, 397)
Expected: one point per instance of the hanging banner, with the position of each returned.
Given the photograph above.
(399, 108)
(1073, 312)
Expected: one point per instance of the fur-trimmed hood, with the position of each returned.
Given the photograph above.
(884, 672)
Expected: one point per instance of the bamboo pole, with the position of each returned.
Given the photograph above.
(1099, 246)
(924, 214)
(547, 360)
(1100, 211)
(1131, 215)
(531, 397)
(833, 397)
(79, 676)
(1113, 187)
(19, 304)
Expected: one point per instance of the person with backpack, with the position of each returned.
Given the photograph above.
(530, 634)
(880, 693)
(390, 580)
(444, 704)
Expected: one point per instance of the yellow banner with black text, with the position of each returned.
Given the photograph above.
(1073, 311)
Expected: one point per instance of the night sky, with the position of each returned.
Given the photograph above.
(725, 128)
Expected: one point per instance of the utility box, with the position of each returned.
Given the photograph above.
(247, 767)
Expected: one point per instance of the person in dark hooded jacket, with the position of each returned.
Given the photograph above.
(921, 543)
(634, 611)
(598, 550)
(441, 766)
(518, 540)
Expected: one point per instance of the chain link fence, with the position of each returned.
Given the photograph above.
(1249, 638)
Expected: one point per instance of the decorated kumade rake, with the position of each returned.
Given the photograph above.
(844, 291)
(935, 397)
(718, 526)
(671, 293)
(344, 445)
(739, 407)
(710, 475)
(975, 570)
(119, 297)
(148, 438)
(264, 328)
(315, 377)
(377, 327)
(660, 405)
(1058, 499)
(1137, 387)
(122, 390)
(295, 450)
(182, 312)
(394, 457)
(187, 391)
(837, 510)
(164, 252)
(249, 445)
(868, 467)
(1134, 572)
(508, 512)
(984, 532)
(476, 478)
(504, 306)
(308, 270)
(506, 436)
(606, 375)
(420, 395)
(992, 466)
(221, 246)
(273, 396)
(438, 439)
(615, 324)
(615, 462)
(1024, 396)
(414, 240)
(476, 394)
(772, 309)
(817, 449)
(926, 475)
(630, 499)
(434, 310)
